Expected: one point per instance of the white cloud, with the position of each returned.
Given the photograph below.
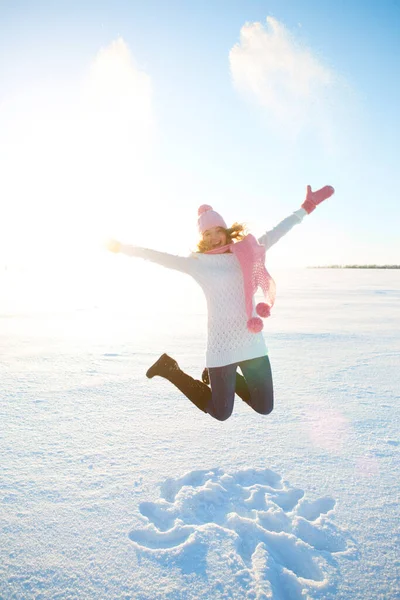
(119, 126)
(287, 80)
(118, 98)
(76, 158)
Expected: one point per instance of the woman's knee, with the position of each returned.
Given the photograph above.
(264, 410)
(222, 417)
(221, 413)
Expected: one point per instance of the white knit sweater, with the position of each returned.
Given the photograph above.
(220, 277)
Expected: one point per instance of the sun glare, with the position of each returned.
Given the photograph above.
(76, 157)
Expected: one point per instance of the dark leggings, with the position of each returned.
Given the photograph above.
(254, 387)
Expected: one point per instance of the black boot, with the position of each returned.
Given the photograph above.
(196, 391)
(163, 365)
(241, 388)
(205, 377)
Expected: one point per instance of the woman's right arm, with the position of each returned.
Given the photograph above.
(185, 264)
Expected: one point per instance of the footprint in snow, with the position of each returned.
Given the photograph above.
(249, 529)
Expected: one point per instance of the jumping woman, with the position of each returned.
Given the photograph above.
(229, 266)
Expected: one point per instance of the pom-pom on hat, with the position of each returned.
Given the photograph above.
(209, 218)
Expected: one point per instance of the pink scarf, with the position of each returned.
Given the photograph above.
(251, 256)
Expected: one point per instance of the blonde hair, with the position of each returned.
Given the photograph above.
(234, 234)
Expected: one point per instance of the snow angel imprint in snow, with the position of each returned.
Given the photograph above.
(250, 528)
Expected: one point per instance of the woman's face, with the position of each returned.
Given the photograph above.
(215, 238)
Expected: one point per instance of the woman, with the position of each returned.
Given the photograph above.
(230, 267)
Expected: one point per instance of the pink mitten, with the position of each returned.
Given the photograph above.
(314, 198)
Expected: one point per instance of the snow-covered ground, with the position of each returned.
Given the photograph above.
(116, 487)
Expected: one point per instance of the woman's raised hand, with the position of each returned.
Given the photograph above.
(314, 198)
(113, 246)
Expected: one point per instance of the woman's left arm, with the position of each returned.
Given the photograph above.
(310, 203)
(274, 235)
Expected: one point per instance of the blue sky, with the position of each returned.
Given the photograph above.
(120, 118)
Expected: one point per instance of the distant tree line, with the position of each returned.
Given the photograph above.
(357, 267)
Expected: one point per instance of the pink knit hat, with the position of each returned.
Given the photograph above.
(209, 218)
